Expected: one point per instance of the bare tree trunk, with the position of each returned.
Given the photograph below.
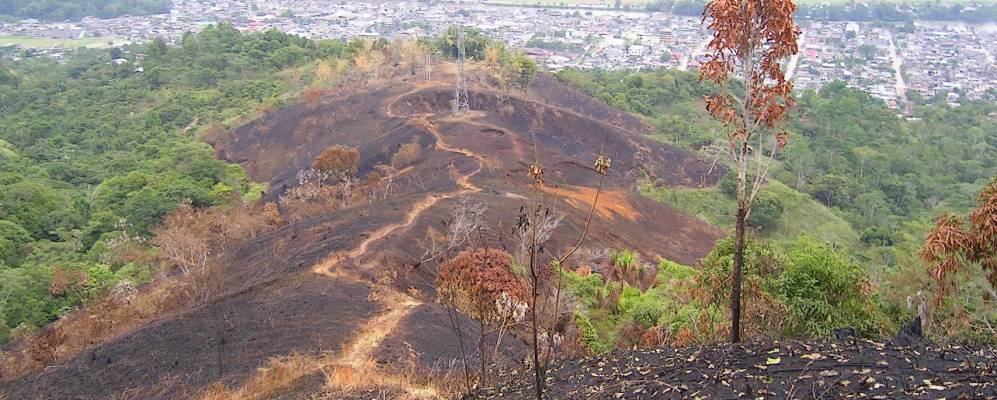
(481, 352)
(735, 291)
(454, 319)
(535, 277)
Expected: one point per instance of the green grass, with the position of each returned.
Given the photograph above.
(802, 215)
(31, 42)
(707, 204)
(805, 216)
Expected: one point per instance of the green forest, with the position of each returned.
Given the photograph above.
(59, 10)
(855, 177)
(95, 151)
(92, 153)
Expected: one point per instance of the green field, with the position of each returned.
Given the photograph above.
(24, 41)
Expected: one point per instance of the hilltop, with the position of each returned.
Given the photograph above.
(343, 291)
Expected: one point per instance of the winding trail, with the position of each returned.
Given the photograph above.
(328, 266)
(356, 360)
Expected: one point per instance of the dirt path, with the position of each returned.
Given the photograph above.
(356, 360)
(328, 266)
(360, 349)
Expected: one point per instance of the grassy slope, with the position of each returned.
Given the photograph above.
(802, 215)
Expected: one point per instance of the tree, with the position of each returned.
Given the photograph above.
(750, 39)
(183, 240)
(480, 284)
(767, 211)
(12, 238)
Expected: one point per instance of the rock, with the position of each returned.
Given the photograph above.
(911, 334)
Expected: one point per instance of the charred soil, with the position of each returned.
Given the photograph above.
(310, 287)
(777, 370)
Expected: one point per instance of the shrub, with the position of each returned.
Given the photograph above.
(407, 154)
(644, 309)
(474, 280)
(823, 290)
(588, 335)
(585, 288)
(761, 313)
(728, 182)
(670, 270)
(766, 211)
(338, 160)
(623, 258)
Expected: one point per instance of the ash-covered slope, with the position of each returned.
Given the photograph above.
(308, 288)
(846, 369)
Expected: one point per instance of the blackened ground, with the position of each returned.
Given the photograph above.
(771, 370)
(272, 300)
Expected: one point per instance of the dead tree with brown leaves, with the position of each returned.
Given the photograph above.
(952, 245)
(750, 39)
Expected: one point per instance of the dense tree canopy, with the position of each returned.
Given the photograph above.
(58, 10)
(92, 152)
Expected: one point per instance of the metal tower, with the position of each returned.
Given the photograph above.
(460, 101)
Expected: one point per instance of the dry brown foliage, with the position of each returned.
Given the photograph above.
(338, 160)
(409, 381)
(63, 280)
(407, 154)
(315, 195)
(752, 37)
(475, 279)
(164, 388)
(267, 381)
(311, 97)
(951, 245)
(480, 284)
(118, 312)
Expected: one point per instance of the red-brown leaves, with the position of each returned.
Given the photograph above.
(720, 109)
(751, 36)
(947, 237)
(782, 138)
(474, 280)
(338, 160)
(951, 245)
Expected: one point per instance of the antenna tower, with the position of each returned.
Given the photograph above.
(460, 102)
